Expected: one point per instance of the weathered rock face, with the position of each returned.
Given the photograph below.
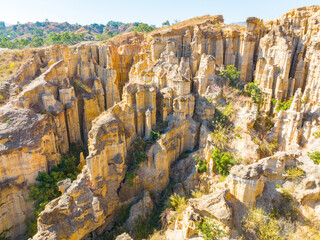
(140, 210)
(246, 183)
(77, 204)
(49, 105)
(106, 95)
(21, 159)
(288, 65)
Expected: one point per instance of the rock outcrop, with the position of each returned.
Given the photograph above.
(109, 95)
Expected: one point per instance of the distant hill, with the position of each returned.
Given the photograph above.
(43, 29)
(239, 23)
(47, 33)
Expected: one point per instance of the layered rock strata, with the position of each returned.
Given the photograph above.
(107, 95)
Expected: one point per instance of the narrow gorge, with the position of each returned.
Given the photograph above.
(155, 110)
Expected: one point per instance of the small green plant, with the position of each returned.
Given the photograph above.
(314, 156)
(232, 74)
(196, 193)
(220, 137)
(201, 165)
(222, 118)
(210, 229)
(293, 173)
(316, 134)
(223, 161)
(8, 121)
(238, 136)
(222, 178)
(130, 176)
(285, 105)
(177, 203)
(254, 91)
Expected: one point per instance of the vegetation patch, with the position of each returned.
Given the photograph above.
(286, 208)
(315, 157)
(293, 173)
(257, 224)
(137, 152)
(232, 74)
(221, 126)
(316, 134)
(177, 203)
(47, 189)
(196, 193)
(254, 91)
(223, 161)
(11, 61)
(210, 229)
(201, 165)
(285, 105)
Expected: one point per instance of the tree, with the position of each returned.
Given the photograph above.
(223, 160)
(166, 23)
(2, 25)
(144, 28)
(37, 42)
(254, 92)
(232, 74)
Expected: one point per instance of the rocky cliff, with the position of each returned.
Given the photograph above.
(162, 93)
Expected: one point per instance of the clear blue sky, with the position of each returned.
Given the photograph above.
(149, 11)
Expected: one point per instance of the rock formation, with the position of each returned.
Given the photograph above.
(109, 95)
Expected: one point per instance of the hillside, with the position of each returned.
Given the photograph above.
(48, 33)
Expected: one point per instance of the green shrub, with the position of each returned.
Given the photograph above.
(144, 28)
(254, 91)
(222, 118)
(196, 193)
(221, 126)
(232, 74)
(285, 105)
(223, 161)
(177, 203)
(262, 226)
(154, 136)
(46, 189)
(130, 176)
(135, 157)
(220, 137)
(315, 134)
(293, 173)
(210, 229)
(201, 165)
(315, 157)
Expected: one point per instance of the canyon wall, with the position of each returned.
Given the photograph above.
(106, 95)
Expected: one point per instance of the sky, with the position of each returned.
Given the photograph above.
(148, 11)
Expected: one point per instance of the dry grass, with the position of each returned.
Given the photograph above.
(192, 21)
(126, 38)
(11, 61)
(305, 233)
